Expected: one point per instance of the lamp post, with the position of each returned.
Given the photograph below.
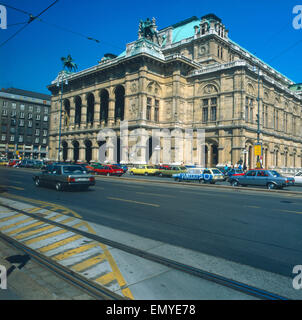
(62, 77)
(259, 165)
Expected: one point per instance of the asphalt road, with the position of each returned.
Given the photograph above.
(252, 228)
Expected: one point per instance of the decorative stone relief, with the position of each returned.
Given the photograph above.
(133, 108)
(133, 87)
(210, 89)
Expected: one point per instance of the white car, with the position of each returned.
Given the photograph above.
(298, 178)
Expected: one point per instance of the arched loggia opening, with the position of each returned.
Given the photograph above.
(78, 110)
(76, 151)
(65, 150)
(153, 150)
(104, 105)
(119, 103)
(214, 155)
(90, 108)
(88, 151)
(66, 112)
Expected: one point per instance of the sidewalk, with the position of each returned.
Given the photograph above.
(34, 282)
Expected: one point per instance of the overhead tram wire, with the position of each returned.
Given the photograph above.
(31, 19)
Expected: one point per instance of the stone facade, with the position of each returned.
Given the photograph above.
(188, 76)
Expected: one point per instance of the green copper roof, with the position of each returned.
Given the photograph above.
(184, 30)
(296, 87)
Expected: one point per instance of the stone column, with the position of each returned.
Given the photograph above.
(97, 114)
(95, 153)
(111, 112)
(84, 112)
(82, 153)
(72, 114)
(70, 153)
(209, 163)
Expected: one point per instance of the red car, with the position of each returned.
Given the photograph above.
(13, 163)
(106, 170)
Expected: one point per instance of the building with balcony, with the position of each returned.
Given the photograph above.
(190, 75)
(24, 122)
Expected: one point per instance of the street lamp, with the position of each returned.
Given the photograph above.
(62, 78)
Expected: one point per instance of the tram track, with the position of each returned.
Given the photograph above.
(100, 292)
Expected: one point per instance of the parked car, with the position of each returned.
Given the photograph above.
(106, 170)
(13, 162)
(212, 175)
(122, 166)
(26, 164)
(38, 164)
(4, 162)
(169, 172)
(193, 174)
(298, 178)
(234, 173)
(268, 178)
(64, 176)
(146, 170)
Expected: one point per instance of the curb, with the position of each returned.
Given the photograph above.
(202, 185)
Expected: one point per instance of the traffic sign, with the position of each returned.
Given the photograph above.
(258, 150)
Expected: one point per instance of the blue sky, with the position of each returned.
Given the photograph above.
(32, 59)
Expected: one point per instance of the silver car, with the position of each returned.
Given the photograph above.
(267, 178)
(64, 176)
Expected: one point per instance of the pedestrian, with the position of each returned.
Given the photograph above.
(240, 166)
(244, 167)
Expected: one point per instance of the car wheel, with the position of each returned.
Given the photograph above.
(235, 184)
(271, 186)
(146, 174)
(160, 174)
(131, 173)
(108, 174)
(59, 186)
(37, 182)
(176, 179)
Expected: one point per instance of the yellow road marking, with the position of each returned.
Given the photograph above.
(48, 235)
(60, 243)
(33, 210)
(12, 187)
(106, 279)
(74, 251)
(31, 226)
(156, 194)
(122, 283)
(296, 212)
(11, 217)
(15, 224)
(137, 202)
(30, 233)
(88, 263)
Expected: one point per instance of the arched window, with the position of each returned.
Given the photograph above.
(90, 108)
(119, 103)
(104, 105)
(66, 112)
(78, 110)
(65, 150)
(76, 149)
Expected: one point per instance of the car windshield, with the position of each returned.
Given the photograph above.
(216, 171)
(115, 167)
(74, 169)
(276, 174)
(150, 167)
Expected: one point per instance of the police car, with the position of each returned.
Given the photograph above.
(194, 174)
(201, 175)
